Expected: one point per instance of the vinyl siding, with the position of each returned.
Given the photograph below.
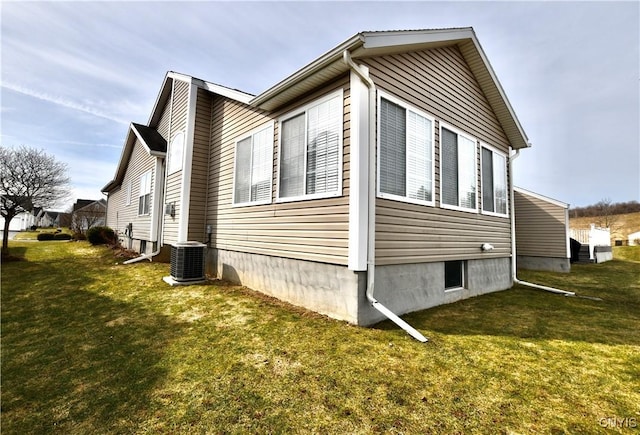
(163, 124)
(118, 213)
(315, 230)
(178, 124)
(199, 171)
(541, 230)
(440, 83)
(115, 200)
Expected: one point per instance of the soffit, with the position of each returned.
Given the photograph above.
(370, 44)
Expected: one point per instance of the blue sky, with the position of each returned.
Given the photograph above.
(74, 74)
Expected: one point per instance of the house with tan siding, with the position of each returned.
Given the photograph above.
(377, 177)
(542, 232)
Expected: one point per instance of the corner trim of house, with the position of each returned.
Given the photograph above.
(185, 187)
(358, 178)
(157, 208)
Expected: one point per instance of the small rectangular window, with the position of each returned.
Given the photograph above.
(311, 151)
(457, 170)
(406, 153)
(144, 198)
(494, 182)
(453, 275)
(127, 199)
(253, 167)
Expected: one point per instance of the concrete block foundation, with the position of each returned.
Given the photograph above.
(550, 264)
(340, 293)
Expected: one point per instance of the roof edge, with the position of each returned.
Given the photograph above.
(541, 197)
(324, 60)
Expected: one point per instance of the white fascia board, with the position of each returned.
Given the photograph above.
(413, 37)
(503, 95)
(123, 161)
(142, 141)
(168, 79)
(233, 94)
(541, 197)
(323, 61)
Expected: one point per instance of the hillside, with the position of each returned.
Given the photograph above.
(625, 224)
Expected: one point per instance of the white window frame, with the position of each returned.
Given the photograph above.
(475, 168)
(265, 127)
(463, 267)
(142, 194)
(176, 153)
(128, 193)
(506, 178)
(408, 108)
(304, 109)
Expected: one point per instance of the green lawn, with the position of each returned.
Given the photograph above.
(92, 346)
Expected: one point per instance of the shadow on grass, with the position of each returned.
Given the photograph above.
(73, 360)
(538, 315)
(14, 254)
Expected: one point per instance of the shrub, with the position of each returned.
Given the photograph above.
(79, 236)
(62, 236)
(101, 236)
(45, 236)
(33, 227)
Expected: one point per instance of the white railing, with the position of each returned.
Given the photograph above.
(581, 236)
(594, 236)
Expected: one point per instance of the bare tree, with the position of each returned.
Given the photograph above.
(606, 216)
(88, 216)
(28, 178)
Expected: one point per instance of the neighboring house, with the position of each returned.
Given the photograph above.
(48, 218)
(634, 239)
(20, 222)
(542, 232)
(88, 213)
(379, 170)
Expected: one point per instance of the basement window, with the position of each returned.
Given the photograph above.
(453, 275)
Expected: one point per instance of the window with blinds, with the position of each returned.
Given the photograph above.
(494, 182)
(457, 170)
(405, 164)
(311, 151)
(253, 167)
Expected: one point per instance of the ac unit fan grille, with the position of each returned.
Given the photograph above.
(187, 262)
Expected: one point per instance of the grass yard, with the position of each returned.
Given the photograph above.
(91, 346)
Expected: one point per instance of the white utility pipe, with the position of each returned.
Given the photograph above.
(371, 225)
(142, 257)
(512, 157)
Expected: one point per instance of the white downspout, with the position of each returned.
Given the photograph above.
(512, 157)
(163, 183)
(371, 219)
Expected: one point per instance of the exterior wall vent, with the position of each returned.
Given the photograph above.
(187, 261)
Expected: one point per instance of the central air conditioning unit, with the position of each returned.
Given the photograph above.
(187, 261)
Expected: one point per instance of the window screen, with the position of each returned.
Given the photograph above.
(392, 148)
(457, 170)
(406, 152)
(310, 150)
(253, 167)
(449, 164)
(494, 182)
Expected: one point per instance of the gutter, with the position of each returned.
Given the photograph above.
(320, 63)
(363, 74)
(512, 157)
